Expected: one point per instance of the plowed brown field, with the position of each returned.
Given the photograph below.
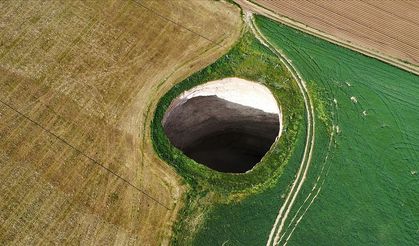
(78, 85)
(388, 27)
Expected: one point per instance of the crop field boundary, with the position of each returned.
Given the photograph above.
(256, 8)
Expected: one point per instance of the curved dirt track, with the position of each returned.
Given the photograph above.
(283, 213)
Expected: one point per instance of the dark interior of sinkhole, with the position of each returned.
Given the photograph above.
(224, 136)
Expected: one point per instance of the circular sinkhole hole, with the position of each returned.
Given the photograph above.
(227, 125)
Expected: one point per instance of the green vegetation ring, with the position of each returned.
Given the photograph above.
(249, 60)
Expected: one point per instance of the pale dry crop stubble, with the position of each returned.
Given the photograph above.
(78, 85)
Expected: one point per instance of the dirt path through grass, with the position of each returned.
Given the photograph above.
(283, 213)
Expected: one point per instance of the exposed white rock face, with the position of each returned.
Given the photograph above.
(236, 90)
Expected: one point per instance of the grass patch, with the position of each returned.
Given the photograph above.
(368, 185)
(368, 175)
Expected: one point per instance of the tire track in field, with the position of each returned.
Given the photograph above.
(321, 178)
(285, 209)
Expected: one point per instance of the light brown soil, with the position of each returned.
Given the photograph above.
(78, 85)
(389, 29)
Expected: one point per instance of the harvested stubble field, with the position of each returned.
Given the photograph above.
(388, 28)
(78, 83)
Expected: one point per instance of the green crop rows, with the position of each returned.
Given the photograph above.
(367, 177)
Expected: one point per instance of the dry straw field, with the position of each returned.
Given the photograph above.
(387, 28)
(78, 85)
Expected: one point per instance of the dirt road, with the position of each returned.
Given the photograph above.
(283, 213)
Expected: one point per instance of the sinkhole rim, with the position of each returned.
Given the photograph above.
(238, 91)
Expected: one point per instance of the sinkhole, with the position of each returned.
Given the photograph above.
(227, 125)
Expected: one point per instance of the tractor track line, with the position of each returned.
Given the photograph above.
(307, 156)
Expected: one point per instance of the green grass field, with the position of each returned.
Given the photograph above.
(366, 180)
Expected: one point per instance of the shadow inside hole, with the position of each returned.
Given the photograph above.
(220, 134)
